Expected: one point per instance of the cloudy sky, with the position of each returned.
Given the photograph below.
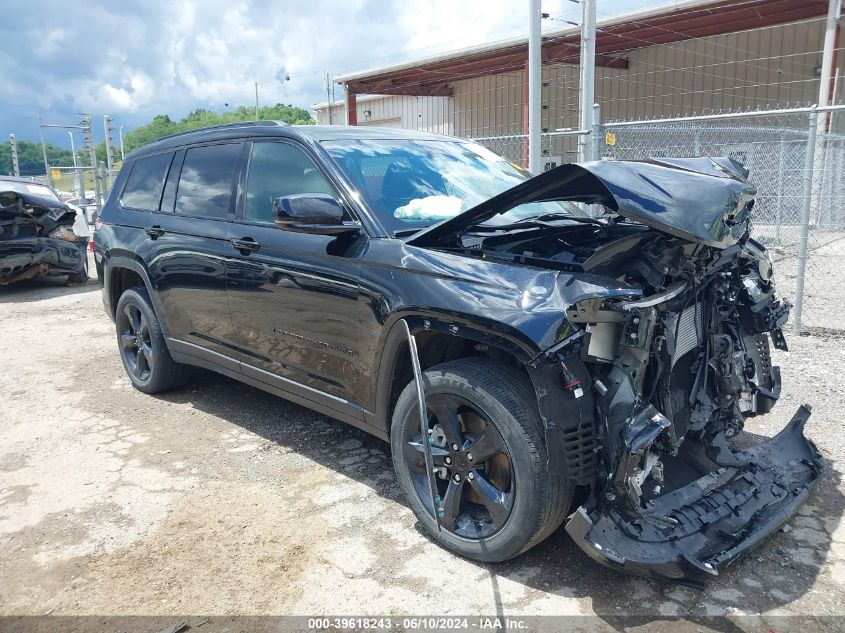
(133, 59)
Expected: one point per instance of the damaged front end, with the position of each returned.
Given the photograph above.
(37, 234)
(676, 374)
(669, 374)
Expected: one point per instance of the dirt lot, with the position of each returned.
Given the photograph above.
(221, 499)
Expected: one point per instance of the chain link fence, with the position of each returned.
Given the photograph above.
(556, 148)
(796, 160)
(82, 183)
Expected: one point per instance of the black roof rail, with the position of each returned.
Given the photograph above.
(224, 126)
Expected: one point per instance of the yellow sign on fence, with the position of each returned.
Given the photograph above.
(56, 173)
(609, 138)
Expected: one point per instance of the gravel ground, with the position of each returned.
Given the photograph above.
(221, 499)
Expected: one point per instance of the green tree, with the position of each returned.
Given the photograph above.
(31, 160)
(162, 125)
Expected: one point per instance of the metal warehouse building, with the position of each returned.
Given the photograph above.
(670, 61)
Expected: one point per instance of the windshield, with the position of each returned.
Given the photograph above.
(413, 184)
(29, 188)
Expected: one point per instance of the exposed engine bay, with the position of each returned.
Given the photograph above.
(672, 371)
(696, 346)
(39, 234)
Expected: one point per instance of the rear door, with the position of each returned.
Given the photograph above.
(189, 241)
(293, 296)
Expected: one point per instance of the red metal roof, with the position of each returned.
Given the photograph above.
(614, 37)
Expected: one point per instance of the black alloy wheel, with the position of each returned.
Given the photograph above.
(135, 344)
(472, 467)
(495, 497)
(143, 349)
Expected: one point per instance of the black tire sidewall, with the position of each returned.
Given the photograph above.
(525, 515)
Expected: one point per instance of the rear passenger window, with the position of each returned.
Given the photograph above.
(146, 181)
(205, 186)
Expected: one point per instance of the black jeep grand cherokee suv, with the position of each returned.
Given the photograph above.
(557, 351)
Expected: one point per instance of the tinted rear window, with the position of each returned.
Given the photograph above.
(145, 182)
(205, 186)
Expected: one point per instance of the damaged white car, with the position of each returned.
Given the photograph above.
(40, 234)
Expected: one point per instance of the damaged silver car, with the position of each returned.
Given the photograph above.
(39, 234)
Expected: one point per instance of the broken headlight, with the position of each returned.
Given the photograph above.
(63, 233)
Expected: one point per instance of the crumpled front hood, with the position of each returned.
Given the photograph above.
(19, 208)
(13, 201)
(706, 200)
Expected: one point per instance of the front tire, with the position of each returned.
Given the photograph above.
(142, 347)
(497, 498)
(80, 277)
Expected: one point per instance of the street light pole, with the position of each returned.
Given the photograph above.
(122, 155)
(44, 152)
(72, 148)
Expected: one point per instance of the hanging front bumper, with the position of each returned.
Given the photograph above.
(694, 532)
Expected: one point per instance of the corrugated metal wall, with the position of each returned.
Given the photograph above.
(750, 69)
(427, 114)
(737, 71)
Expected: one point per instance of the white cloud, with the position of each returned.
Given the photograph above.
(111, 98)
(136, 59)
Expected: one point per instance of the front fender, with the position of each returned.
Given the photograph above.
(567, 413)
(393, 341)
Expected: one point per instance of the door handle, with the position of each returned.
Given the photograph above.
(246, 245)
(154, 231)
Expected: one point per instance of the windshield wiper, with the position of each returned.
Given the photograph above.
(551, 217)
(534, 222)
(407, 232)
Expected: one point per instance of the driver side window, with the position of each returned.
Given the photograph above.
(279, 169)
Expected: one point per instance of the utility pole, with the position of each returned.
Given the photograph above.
(107, 130)
(535, 95)
(329, 94)
(256, 100)
(588, 75)
(44, 151)
(16, 168)
(122, 155)
(834, 9)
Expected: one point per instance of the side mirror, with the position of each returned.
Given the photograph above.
(311, 213)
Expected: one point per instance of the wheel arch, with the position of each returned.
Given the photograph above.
(439, 339)
(122, 272)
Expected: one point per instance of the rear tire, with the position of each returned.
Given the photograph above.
(533, 502)
(142, 347)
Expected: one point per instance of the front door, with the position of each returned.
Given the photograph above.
(292, 296)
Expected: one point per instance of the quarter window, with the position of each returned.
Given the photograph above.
(145, 182)
(279, 169)
(205, 185)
